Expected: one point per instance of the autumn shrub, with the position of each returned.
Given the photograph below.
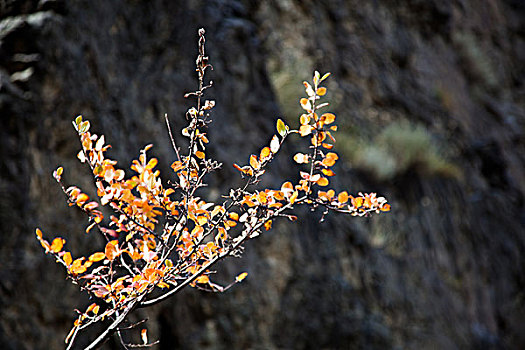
(163, 236)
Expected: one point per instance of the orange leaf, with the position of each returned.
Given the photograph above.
(323, 181)
(177, 165)
(328, 172)
(294, 197)
(321, 91)
(254, 163)
(197, 231)
(111, 250)
(82, 198)
(57, 244)
(152, 163)
(90, 206)
(265, 152)
(268, 224)
(385, 207)
(67, 258)
(202, 279)
(305, 103)
(342, 197)
(328, 118)
(200, 155)
(144, 336)
(305, 130)
(201, 220)
(97, 257)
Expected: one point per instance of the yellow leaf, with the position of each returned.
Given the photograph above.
(323, 181)
(321, 91)
(240, 277)
(67, 258)
(254, 163)
(202, 279)
(342, 197)
(97, 257)
(57, 244)
(200, 155)
(201, 220)
(265, 153)
(328, 172)
(294, 197)
(281, 128)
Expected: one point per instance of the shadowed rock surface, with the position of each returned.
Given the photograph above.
(430, 99)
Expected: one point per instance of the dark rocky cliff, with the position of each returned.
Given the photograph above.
(430, 98)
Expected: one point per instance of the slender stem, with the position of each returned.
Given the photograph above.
(171, 136)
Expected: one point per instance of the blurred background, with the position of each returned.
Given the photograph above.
(430, 99)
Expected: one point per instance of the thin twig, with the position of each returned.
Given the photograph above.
(171, 136)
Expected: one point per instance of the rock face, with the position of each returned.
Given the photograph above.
(430, 99)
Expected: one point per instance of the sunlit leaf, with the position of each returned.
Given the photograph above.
(342, 197)
(328, 172)
(281, 127)
(241, 276)
(111, 251)
(144, 336)
(67, 258)
(265, 153)
(177, 165)
(294, 197)
(202, 279)
(305, 130)
(57, 244)
(304, 119)
(78, 120)
(321, 91)
(328, 118)
(326, 75)
(305, 103)
(268, 224)
(274, 144)
(100, 143)
(152, 163)
(301, 158)
(254, 163)
(95, 257)
(385, 207)
(323, 181)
